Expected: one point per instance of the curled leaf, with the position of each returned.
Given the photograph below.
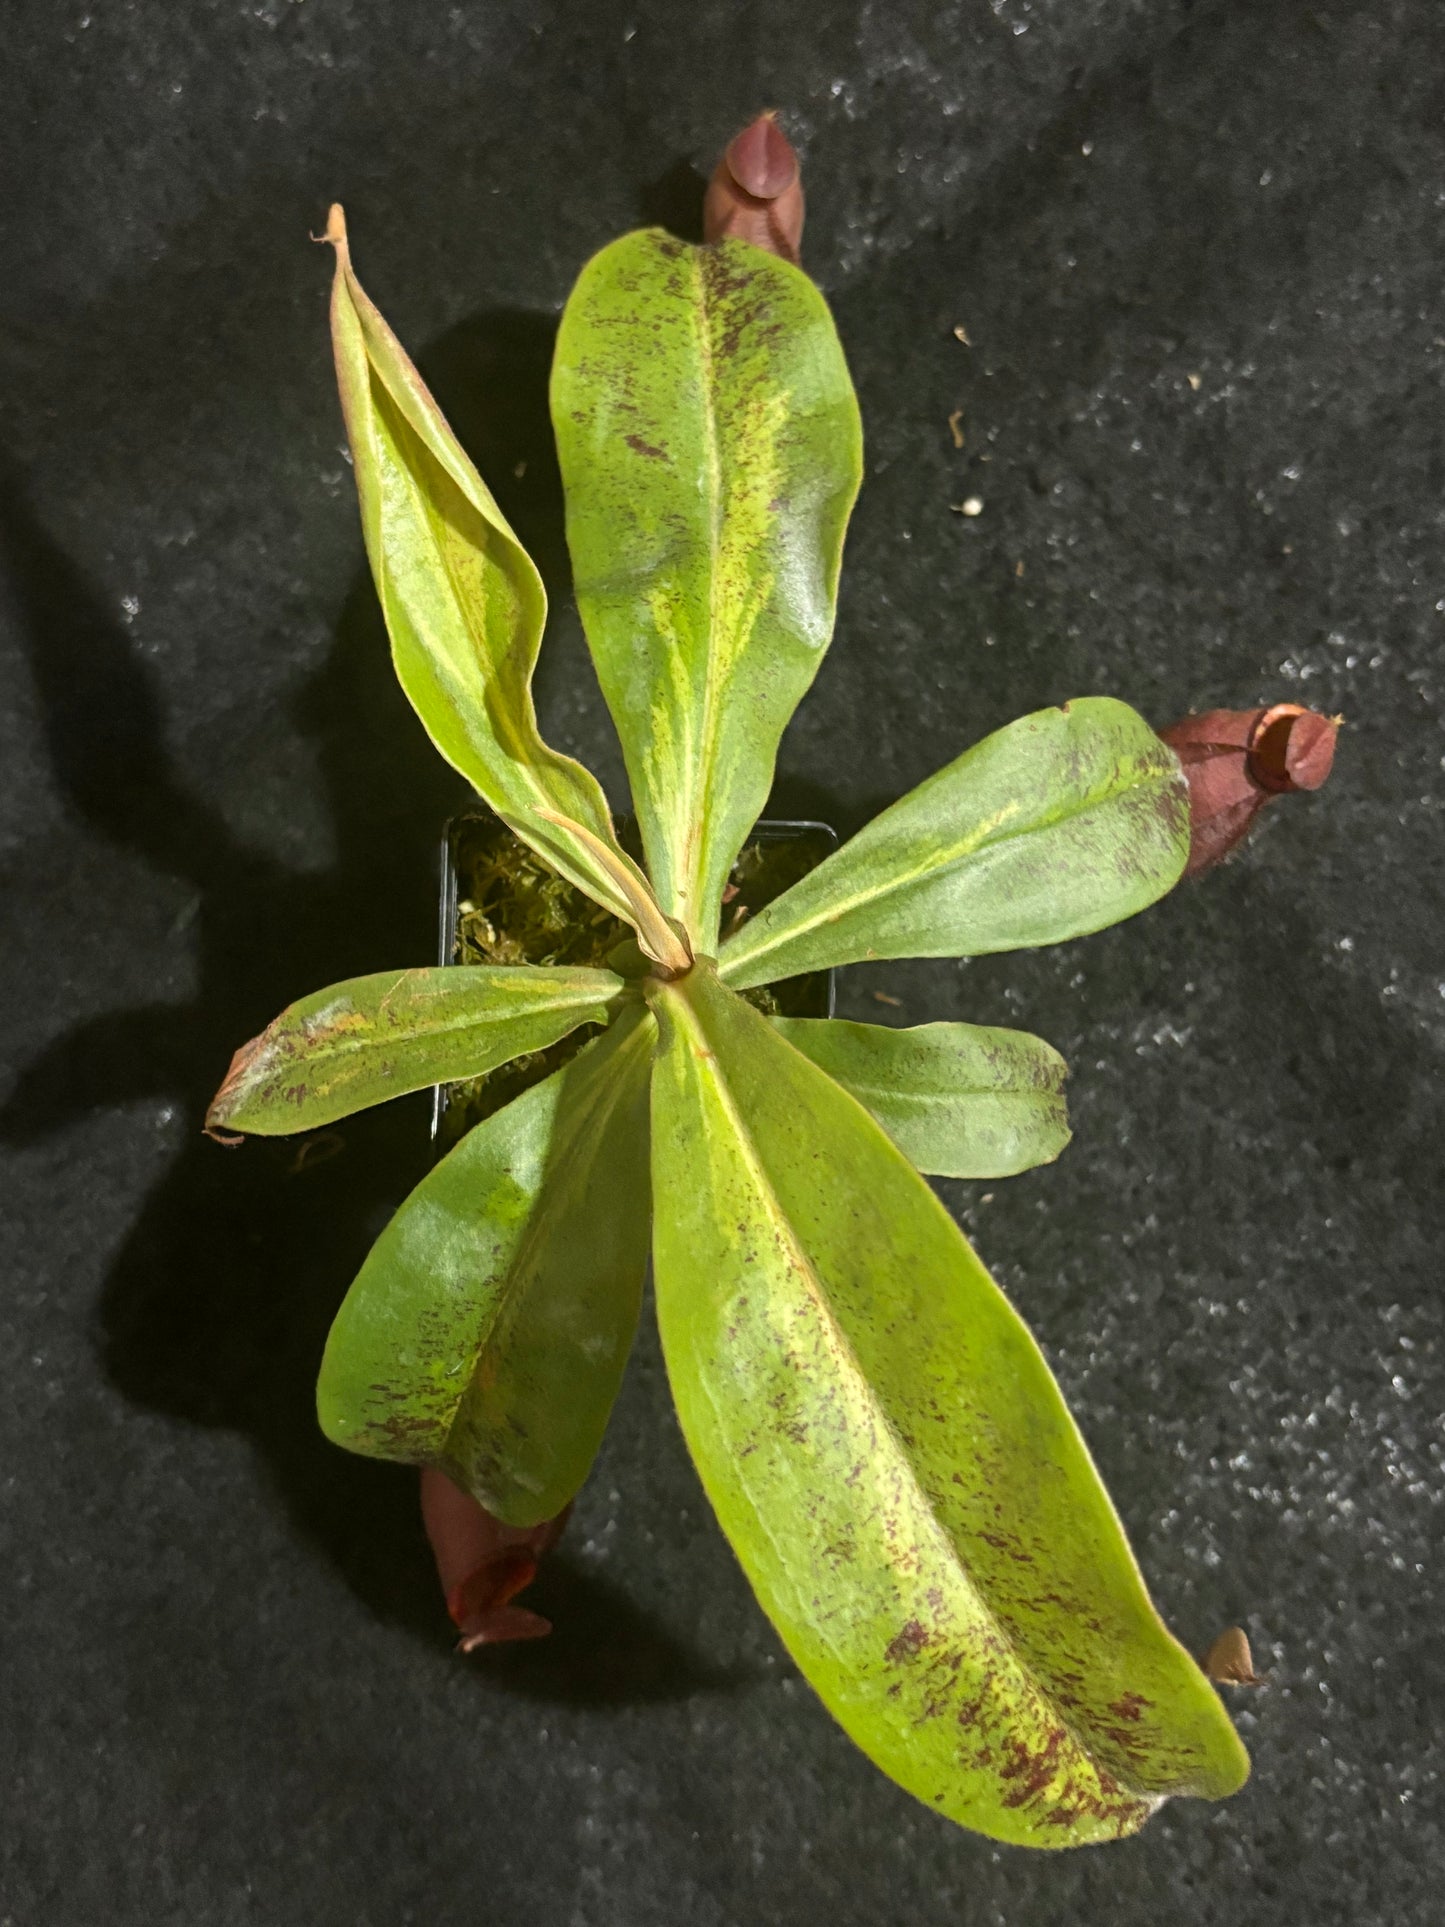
(463, 601)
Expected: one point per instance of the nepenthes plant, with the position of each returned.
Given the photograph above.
(880, 1436)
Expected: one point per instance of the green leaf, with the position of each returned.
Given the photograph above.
(893, 1462)
(463, 601)
(1063, 822)
(373, 1038)
(959, 1100)
(711, 451)
(488, 1329)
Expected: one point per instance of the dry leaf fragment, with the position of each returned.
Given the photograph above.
(953, 428)
(1229, 1661)
(882, 997)
(961, 334)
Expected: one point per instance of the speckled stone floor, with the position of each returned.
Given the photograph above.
(1197, 253)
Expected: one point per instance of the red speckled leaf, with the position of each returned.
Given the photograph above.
(893, 1462)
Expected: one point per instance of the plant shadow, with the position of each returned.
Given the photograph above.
(216, 1308)
(673, 199)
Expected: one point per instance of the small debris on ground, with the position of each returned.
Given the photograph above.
(1229, 1661)
(961, 334)
(973, 506)
(953, 428)
(882, 997)
(1196, 382)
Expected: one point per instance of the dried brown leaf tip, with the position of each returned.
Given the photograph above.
(1229, 1661)
(483, 1564)
(1237, 759)
(755, 193)
(223, 1104)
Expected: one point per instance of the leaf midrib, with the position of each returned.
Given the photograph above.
(890, 1093)
(346, 1046)
(701, 746)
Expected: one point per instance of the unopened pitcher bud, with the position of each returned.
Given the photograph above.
(755, 193)
(1236, 759)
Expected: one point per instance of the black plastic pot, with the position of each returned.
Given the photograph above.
(776, 855)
